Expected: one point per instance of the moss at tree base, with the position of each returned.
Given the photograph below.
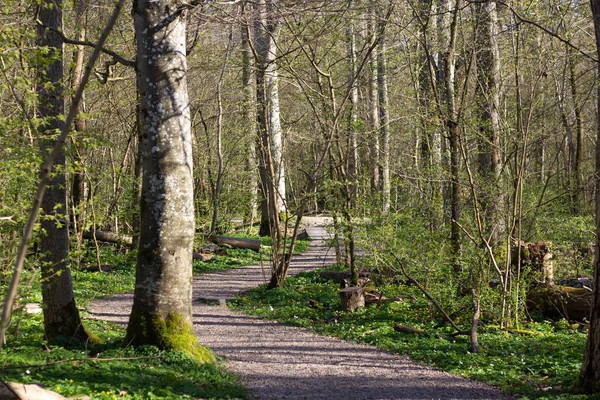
(68, 330)
(167, 332)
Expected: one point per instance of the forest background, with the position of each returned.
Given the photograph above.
(442, 136)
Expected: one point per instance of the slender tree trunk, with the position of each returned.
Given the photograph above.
(78, 186)
(589, 380)
(61, 317)
(453, 132)
(353, 155)
(275, 132)
(220, 168)
(249, 118)
(374, 103)
(576, 154)
(430, 149)
(162, 305)
(488, 93)
(384, 120)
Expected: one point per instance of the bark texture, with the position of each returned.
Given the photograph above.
(271, 166)
(161, 313)
(61, 318)
(382, 87)
(488, 91)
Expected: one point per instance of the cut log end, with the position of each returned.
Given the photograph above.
(352, 298)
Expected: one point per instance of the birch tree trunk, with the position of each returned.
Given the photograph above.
(61, 317)
(589, 380)
(374, 102)
(353, 156)
(162, 306)
(384, 121)
(267, 30)
(249, 117)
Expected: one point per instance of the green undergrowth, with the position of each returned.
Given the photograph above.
(539, 361)
(109, 371)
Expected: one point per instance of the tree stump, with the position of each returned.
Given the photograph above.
(352, 298)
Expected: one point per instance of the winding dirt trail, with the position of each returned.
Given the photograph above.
(275, 361)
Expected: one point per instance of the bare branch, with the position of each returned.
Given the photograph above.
(541, 27)
(118, 58)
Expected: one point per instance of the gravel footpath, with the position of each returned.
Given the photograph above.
(275, 361)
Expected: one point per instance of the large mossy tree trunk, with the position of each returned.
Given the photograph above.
(61, 317)
(162, 306)
(589, 380)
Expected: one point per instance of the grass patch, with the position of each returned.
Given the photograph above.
(542, 362)
(109, 371)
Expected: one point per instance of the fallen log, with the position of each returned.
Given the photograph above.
(414, 331)
(236, 243)
(108, 237)
(124, 240)
(561, 301)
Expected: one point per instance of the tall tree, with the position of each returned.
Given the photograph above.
(249, 115)
(271, 165)
(382, 87)
(61, 317)
(162, 305)
(448, 27)
(373, 96)
(78, 186)
(429, 135)
(353, 155)
(589, 379)
(488, 91)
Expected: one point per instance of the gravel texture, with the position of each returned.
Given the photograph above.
(275, 361)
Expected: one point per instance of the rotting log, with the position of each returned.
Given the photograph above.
(352, 298)
(236, 243)
(561, 301)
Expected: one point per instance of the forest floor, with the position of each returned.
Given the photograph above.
(276, 361)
